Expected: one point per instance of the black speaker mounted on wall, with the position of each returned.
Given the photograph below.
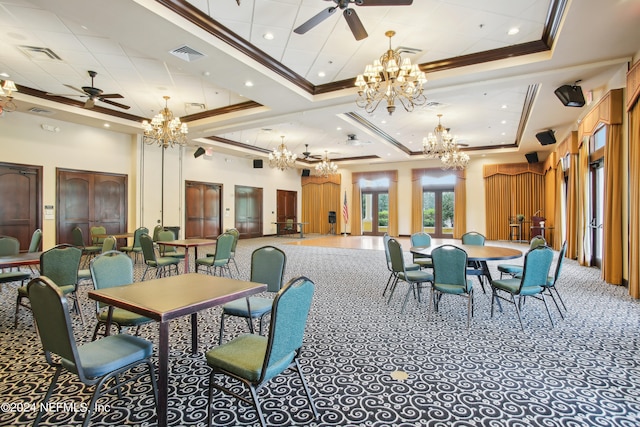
(199, 152)
(257, 163)
(570, 95)
(546, 138)
(532, 157)
(306, 172)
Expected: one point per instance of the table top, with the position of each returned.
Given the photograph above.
(187, 243)
(284, 222)
(25, 258)
(116, 235)
(474, 252)
(176, 296)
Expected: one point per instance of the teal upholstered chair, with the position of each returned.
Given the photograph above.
(157, 229)
(236, 237)
(60, 264)
(162, 264)
(95, 362)
(551, 286)
(220, 259)
(108, 244)
(135, 248)
(172, 251)
(450, 277)
(415, 278)
(515, 269)
(89, 251)
(474, 268)
(421, 239)
(267, 266)
(114, 268)
(392, 274)
(36, 239)
(10, 246)
(537, 263)
(255, 359)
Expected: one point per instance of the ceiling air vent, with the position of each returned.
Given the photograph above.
(37, 110)
(40, 53)
(187, 53)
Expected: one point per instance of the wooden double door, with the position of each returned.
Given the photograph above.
(203, 213)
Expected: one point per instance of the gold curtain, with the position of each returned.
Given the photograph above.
(416, 203)
(558, 235)
(573, 210)
(460, 205)
(355, 214)
(584, 245)
(356, 201)
(634, 201)
(319, 196)
(612, 224)
(393, 207)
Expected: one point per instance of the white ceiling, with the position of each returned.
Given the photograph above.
(128, 42)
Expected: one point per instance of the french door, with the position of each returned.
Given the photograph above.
(437, 212)
(597, 212)
(248, 211)
(375, 212)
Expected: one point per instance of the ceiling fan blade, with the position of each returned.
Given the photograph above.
(355, 24)
(385, 3)
(315, 20)
(90, 103)
(76, 89)
(117, 104)
(111, 95)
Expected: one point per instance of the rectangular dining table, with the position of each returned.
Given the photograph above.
(171, 297)
(20, 260)
(186, 244)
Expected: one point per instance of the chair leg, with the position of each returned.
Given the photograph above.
(547, 308)
(388, 283)
(393, 288)
(256, 404)
(517, 310)
(430, 303)
(553, 288)
(306, 389)
(221, 329)
(47, 396)
(406, 297)
(556, 303)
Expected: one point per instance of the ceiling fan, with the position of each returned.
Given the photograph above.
(307, 154)
(93, 94)
(349, 15)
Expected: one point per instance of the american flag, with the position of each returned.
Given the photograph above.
(345, 209)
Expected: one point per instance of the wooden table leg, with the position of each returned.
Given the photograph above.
(163, 373)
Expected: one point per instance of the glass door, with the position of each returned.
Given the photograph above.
(597, 212)
(437, 212)
(375, 212)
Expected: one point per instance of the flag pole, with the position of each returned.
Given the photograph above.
(345, 213)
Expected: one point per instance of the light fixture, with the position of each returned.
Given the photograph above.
(326, 167)
(165, 129)
(440, 144)
(282, 158)
(391, 78)
(8, 86)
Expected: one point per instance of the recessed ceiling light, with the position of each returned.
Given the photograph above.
(321, 74)
(107, 125)
(248, 83)
(267, 36)
(504, 106)
(338, 128)
(513, 31)
(504, 122)
(5, 75)
(383, 122)
(504, 133)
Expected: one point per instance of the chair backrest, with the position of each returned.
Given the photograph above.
(109, 269)
(136, 235)
(157, 229)
(537, 241)
(450, 266)
(236, 236)
(148, 251)
(98, 229)
(165, 236)
(223, 246)
(60, 264)
(108, 244)
(77, 237)
(397, 257)
(51, 313)
(267, 266)
(385, 242)
(289, 314)
(420, 239)
(473, 238)
(288, 224)
(36, 238)
(9, 246)
(537, 263)
(563, 251)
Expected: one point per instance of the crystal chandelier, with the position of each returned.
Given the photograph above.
(326, 167)
(165, 129)
(282, 158)
(8, 86)
(391, 78)
(440, 144)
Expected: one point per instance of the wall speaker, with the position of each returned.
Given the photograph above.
(199, 152)
(257, 163)
(570, 95)
(306, 172)
(546, 138)
(532, 157)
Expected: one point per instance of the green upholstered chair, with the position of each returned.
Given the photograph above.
(219, 262)
(537, 263)
(515, 269)
(97, 229)
(415, 278)
(89, 251)
(60, 264)
(162, 264)
(392, 275)
(474, 268)
(135, 248)
(108, 244)
(94, 363)
(36, 239)
(10, 246)
(289, 226)
(111, 269)
(172, 251)
(551, 286)
(236, 237)
(450, 277)
(157, 229)
(254, 359)
(421, 239)
(267, 266)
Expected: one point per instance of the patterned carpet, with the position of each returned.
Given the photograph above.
(583, 372)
